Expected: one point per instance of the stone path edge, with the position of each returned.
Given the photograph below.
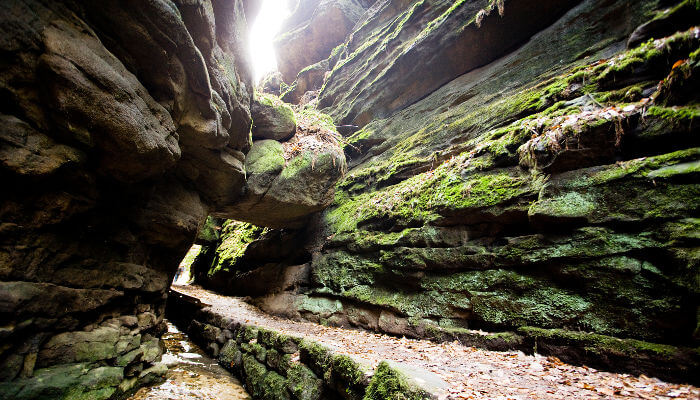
(276, 366)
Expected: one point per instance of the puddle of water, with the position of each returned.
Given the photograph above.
(192, 374)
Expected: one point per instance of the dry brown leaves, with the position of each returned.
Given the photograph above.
(467, 372)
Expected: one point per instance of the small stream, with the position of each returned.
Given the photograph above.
(192, 374)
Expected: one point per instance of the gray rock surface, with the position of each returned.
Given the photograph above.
(272, 119)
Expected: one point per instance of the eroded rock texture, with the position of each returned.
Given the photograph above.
(519, 170)
(313, 30)
(124, 123)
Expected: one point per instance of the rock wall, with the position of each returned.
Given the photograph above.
(124, 124)
(532, 177)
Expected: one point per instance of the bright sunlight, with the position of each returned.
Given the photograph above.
(266, 25)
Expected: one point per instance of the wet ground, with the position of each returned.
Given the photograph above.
(191, 374)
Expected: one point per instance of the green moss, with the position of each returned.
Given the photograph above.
(627, 95)
(636, 168)
(235, 238)
(275, 102)
(265, 157)
(569, 205)
(274, 387)
(419, 304)
(254, 376)
(266, 337)
(424, 196)
(230, 354)
(389, 384)
(303, 384)
(650, 55)
(341, 270)
(348, 370)
(678, 116)
(248, 333)
(316, 356)
(268, 99)
(312, 117)
(601, 344)
(210, 230)
(286, 344)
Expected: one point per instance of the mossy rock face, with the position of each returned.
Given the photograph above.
(275, 387)
(349, 377)
(230, 355)
(312, 31)
(653, 188)
(555, 192)
(316, 356)
(209, 232)
(288, 182)
(235, 238)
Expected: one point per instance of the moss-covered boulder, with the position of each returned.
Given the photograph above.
(388, 383)
(272, 118)
(287, 182)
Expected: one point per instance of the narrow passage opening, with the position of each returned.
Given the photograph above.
(266, 25)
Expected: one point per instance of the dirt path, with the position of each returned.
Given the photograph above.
(454, 371)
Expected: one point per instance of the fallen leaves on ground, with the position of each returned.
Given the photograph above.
(463, 372)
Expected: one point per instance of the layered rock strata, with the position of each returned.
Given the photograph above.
(124, 124)
(542, 183)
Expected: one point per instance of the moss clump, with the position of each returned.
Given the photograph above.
(316, 356)
(677, 116)
(348, 370)
(210, 230)
(254, 375)
(235, 238)
(246, 334)
(302, 383)
(311, 117)
(275, 387)
(266, 337)
(286, 344)
(389, 384)
(636, 168)
(230, 355)
(266, 157)
(269, 99)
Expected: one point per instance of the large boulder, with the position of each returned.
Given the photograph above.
(272, 118)
(286, 183)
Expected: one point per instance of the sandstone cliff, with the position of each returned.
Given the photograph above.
(523, 168)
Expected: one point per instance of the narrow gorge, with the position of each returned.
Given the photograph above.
(447, 199)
